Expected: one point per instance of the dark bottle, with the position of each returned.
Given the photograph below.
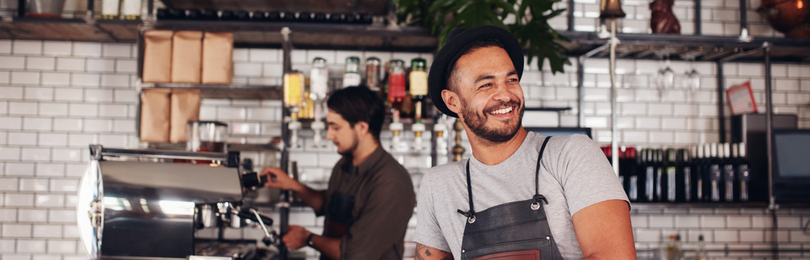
(715, 174)
(697, 168)
(742, 173)
(288, 17)
(209, 15)
(728, 173)
(258, 16)
(660, 181)
(351, 18)
(193, 14)
(366, 19)
(335, 18)
(273, 16)
(179, 14)
(319, 18)
(304, 17)
(241, 15)
(161, 14)
(670, 171)
(418, 82)
(227, 15)
(684, 182)
(630, 180)
(649, 176)
(407, 109)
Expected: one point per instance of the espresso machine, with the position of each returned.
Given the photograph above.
(149, 204)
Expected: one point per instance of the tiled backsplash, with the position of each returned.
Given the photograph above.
(58, 97)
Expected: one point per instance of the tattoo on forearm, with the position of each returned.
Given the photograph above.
(423, 251)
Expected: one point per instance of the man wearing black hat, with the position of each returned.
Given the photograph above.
(521, 195)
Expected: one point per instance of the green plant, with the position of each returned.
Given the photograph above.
(526, 19)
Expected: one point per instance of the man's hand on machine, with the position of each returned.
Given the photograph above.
(296, 237)
(276, 178)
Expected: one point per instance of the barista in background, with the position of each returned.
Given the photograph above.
(370, 197)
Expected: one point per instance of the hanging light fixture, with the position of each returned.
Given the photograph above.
(611, 9)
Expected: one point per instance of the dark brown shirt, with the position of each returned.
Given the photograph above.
(384, 201)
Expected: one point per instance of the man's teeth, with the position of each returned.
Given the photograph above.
(502, 111)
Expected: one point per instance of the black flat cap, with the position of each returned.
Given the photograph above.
(456, 44)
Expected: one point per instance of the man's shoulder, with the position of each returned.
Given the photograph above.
(444, 171)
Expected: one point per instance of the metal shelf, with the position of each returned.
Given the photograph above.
(704, 48)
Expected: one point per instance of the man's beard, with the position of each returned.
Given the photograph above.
(352, 148)
(476, 122)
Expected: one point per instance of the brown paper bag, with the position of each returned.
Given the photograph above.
(186, 57)
(217, 58)
(155, 115)
(185, 108)
(157, 56)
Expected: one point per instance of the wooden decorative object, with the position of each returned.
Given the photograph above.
(663, 20)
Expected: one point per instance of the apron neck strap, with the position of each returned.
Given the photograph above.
(537, 196)
(469, 214)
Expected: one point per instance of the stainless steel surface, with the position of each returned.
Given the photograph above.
(138, 210)
(51, 7)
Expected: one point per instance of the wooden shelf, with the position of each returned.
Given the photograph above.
(70, 30)
(377, 7)
(227, 91)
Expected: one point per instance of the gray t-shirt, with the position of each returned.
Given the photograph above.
(574, 175)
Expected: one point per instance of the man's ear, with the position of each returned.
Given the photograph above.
(361, 128)
(452, 100)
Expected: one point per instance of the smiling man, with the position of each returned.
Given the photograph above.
(521, 195)
(370, 196)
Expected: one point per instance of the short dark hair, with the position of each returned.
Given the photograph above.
(359, 104)
(474, 45)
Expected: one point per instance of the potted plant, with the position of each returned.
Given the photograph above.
(526, 19)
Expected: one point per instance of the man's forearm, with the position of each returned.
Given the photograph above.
(329, 247)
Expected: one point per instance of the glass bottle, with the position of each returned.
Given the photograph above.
(319, 85)
(659, 175)
(670, 176)
(684, 192)
(649, 176)
(110, 9)
(715, 173)
(728, 173)
(373, 75)
(419, 89)
(132, 9)
(742, 173)
(632, 174)
(352, 76)
(396, 84)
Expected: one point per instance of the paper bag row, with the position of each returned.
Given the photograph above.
(188, 57)
(165, 114)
